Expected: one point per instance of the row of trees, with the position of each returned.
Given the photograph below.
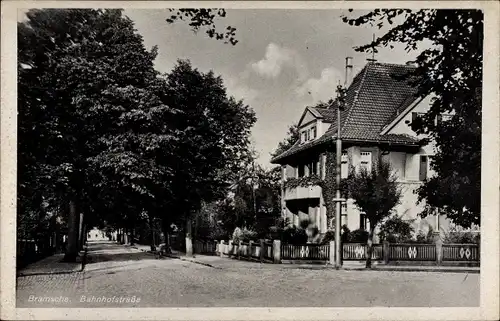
(102, 133)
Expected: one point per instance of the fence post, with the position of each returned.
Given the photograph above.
(331, 249)
(239, 249)
(230, 249)
(261, 256)
(276, 251)
(386, 251)
(250, 243)
(221, 248)
(439, 251)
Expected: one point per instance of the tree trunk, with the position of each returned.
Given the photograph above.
(73, 225)
(80, 231)
(132, 230)
(370, 247)
(83, 237)
(125, 236)
(189, 238)
(152, 232)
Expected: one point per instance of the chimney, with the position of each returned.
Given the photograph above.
(348, 71)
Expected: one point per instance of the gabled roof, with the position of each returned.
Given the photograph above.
(373, 100)
(327, 114)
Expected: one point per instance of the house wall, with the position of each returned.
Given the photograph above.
(290, 171)
(402, 127)
(308, 117)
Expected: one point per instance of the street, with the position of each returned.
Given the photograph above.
(120, 276)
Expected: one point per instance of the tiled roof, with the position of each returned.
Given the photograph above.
(328, 114)
(373, 100)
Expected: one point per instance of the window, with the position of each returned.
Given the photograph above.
(313, 168)
(366, 161)
(414, 118)
(423, 168)
(301, 170)
(303, 136)
(308, 134)
(442, 119)
(344, 167)
(313, 132)
(362, 221)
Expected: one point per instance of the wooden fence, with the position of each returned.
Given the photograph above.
(359, 251)
(310, 252)
(461, 252)
(262, 250)
(274, 251)
(415, 252)
(201, 247)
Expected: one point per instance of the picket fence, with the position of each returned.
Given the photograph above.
(274, 251)
(262, 250)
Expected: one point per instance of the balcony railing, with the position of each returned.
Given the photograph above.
(299, 192)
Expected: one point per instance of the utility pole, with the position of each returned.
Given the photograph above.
(338, 200)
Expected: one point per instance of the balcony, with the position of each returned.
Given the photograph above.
(299, 192)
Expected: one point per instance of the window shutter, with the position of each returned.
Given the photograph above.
(423, 168)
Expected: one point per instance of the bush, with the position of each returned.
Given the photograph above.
(243, 235)
(304, 224)
(396, 230)
(462, 238)
(357, 236)
(294, 235)
(421, 238)
(329, 236)
(276, 231)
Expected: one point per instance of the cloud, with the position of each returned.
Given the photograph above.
(322, 88)
(275, 59)
(239, 90)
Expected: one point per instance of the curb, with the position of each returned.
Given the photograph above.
(47, 273)
(416, 269)
(328, 267)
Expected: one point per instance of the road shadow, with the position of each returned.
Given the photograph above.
(104, 251)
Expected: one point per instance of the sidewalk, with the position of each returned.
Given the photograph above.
(52, 265)
(218, 262)
(224, 262)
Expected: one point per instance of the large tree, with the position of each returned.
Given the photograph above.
(451, 70)
(213, 132)
(81, 72)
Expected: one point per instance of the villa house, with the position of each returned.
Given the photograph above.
(376, 121)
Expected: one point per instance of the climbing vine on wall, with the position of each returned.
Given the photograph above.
(328, 186)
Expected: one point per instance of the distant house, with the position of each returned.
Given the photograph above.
(376, 121)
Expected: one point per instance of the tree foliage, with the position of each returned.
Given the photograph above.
(292, 136)
(254, 202)
(102, 131)
(375, 193)
(205, 19)
(450, 70)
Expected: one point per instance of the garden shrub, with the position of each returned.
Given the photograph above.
(396, 230)
(329, 236)
(305, 224)
(462, 238)
(244, 235)
(357, 236)
(294, 235)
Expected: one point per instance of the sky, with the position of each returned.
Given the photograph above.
(285, 60)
